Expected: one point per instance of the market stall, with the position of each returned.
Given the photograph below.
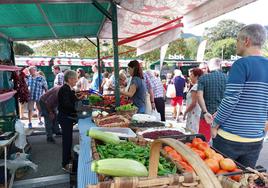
(122, 149)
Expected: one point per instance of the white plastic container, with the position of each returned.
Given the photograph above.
(121, 132)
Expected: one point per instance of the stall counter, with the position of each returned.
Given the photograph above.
(84, 174)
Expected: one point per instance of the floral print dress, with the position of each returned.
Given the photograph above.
(193, 117)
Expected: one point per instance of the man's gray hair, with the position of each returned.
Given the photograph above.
(214, 64)
(69, 74)
(256, 32)
(32, 67)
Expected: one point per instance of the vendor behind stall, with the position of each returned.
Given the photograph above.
(67, 116)
(137, 87)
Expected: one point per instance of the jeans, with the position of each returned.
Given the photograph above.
(141, 110)
(246, 154)
(52, 126)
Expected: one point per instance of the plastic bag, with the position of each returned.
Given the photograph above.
(156, 115)
(140, 118)
(20, 161)
(20, 142)
(171, 91)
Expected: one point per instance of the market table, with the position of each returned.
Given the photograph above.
(4, 144)
(84, 175)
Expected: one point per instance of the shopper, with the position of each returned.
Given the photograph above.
(67, 115)
(48, 104)
(96, 78)
(239, 126)
(179, 83)
(193, 110)
(158, 92)
(105, 85)
(82, 83)
(210, 92)
(137, 87)
(204, 67)
(36, 84)
(59, 77)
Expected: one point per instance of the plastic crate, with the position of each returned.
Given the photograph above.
(7, 123)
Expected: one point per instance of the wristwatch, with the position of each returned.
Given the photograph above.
(204, 112)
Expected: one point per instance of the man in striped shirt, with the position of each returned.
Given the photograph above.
(239, 126)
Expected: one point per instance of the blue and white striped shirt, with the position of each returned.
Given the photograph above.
(244, 109)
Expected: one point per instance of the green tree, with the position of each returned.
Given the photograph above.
(179, 46)
(223, 48)
(224, 29)
(192, 46)
(81, 46)
(22, 49)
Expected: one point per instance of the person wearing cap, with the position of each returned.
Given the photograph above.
(179, 83)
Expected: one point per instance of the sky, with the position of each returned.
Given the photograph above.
(253, 13)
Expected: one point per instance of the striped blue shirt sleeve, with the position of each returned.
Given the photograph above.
(234, 88)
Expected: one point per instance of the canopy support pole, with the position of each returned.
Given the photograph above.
(99, 62)
(47, 20)
(116, 62)
(101, 9)
(91, 41)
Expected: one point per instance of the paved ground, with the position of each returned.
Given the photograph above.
(48, 156)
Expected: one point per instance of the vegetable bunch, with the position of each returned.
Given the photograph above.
(93, 99)
(127, 107)
(129, 150)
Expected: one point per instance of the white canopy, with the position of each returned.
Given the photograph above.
(137, 16)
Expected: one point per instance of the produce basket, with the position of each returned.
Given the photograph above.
(113, 120)
(139, 142)
(204, 178)
(129, 113)
(126, 110)
(236, 175)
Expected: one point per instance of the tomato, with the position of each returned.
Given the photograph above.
(238, 176)
(196, 141)
(213, 165)
(203, 146)
(185, 166)
(209, 152)
(218, 157)
(222, 171)
(189, 144)
(200, 153)
(227, 164)
(168, 149)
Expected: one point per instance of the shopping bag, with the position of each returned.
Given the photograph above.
(148, 105)
(156, 115)
(171, 91)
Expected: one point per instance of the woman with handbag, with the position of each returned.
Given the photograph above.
(137, 88)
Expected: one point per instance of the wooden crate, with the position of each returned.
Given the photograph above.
(204, 177)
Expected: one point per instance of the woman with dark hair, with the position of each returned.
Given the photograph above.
(82, 83)
(193, 110)
(137, 88)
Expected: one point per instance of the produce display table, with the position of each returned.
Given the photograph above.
(84, 175)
